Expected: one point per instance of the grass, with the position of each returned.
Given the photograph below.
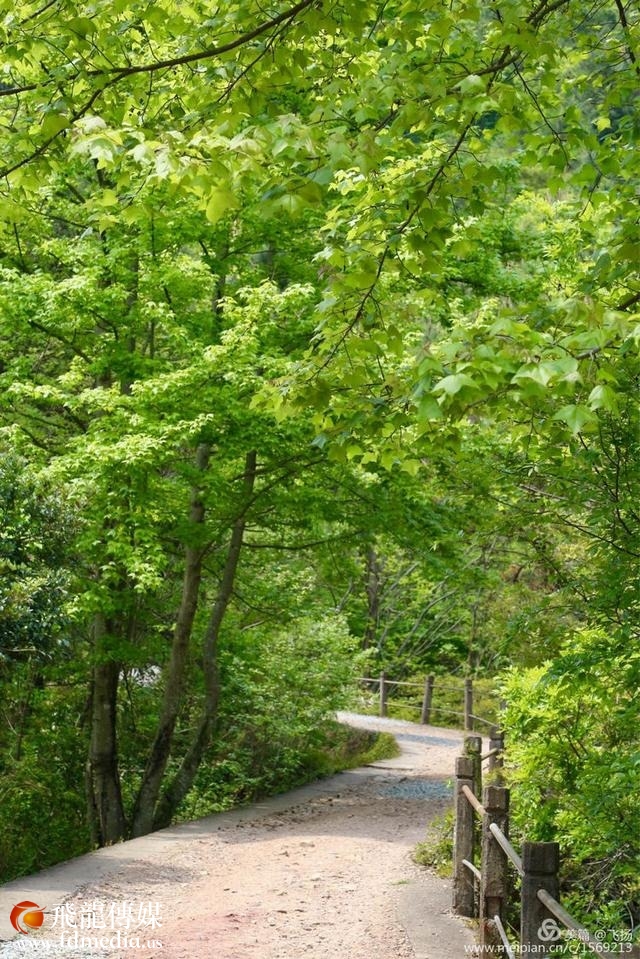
(346, 748)
(252, 777)
(436, 851)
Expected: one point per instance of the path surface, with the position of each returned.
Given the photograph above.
(324, 871)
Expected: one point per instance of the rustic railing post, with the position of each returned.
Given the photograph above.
(473, 749)
(427, 699)
(493, 886)
(468, 705)
(496, 760)
(540, 864)
(383, 695)
(463, 841)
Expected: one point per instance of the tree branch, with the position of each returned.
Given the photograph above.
(624, 23)
(209, 52)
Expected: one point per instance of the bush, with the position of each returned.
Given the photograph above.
(337, 747)
(42, 801)
(574, 762)
(280, 691)
(436, 852)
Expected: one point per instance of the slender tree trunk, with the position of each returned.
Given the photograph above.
(183, 780)
(106, 813)
(143, 813)
(126, 380)
(372, 586)
(105, 809)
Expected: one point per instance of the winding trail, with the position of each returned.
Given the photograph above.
(324, 871)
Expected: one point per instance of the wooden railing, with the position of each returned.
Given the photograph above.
(485, 891)
(385, 688)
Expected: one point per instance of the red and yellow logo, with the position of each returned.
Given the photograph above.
(28, 913)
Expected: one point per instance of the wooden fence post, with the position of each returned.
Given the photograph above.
(473, 749)
(468, 705)
(540, 863)
(383, 695)
(427, 699)
(496, 762)
(463, 841)
(493, 887)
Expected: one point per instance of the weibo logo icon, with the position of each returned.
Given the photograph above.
(27, 914)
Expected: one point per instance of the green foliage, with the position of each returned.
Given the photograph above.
(40, 764)
(436, 851)
(34, 530)
(572, 734)
(41, 795)
(329, 749)
(280, 688)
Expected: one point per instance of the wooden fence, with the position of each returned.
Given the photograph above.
(385, 688)
(485, 891)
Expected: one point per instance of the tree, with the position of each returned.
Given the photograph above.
(36, 529)
(131, 366)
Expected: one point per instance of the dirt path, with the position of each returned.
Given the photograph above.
(324, 872)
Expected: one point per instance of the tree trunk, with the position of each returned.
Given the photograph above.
(183, 779)
(143, 813)
(106, 813)
(372, 585)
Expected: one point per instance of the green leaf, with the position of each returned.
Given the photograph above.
(603, 398)
(410, 466)
(429, 408)
(472, 84)
(388, 457)
(53, 123)
(82, 26)
(453, 384)
(220, 201)
(539, 373)
(576, 417)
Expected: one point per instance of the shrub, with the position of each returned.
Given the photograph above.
(574, 762)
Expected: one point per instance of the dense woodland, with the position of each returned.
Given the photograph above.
(319, 356)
